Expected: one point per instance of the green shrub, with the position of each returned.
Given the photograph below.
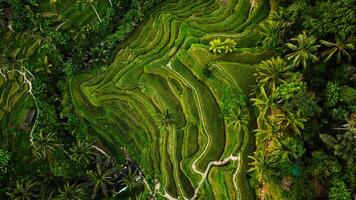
(323, 165)
(232, 98)
(348, 95)
(332, 94)
(289, 90)
(4, 161)
(338, 190)
(66, 169)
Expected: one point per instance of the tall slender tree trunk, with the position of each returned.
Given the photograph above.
(96, 12)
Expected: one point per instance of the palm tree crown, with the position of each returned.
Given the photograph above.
(102, 176)
(71, 192)
(82, 152)
(303, 48)
(272, 72)
(44, 145)
(131, 179)
(293, 121)
(25, 190)
(238, 118)
(166, 119)
(339, 48)
(263, 165)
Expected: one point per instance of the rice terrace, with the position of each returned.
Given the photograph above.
(177, 99)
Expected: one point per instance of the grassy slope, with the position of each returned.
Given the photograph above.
(161, 67)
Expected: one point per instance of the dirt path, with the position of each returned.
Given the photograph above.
(202, 119)
(204, 176)
(253, 5)
(26, 81)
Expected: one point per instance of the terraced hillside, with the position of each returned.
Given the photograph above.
(15, 100)
(15, 82)
(161, 68)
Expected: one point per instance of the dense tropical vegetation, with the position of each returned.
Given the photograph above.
(178, 99)
(306, 103)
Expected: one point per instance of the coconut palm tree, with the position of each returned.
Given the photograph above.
(303, 48)
(343, 145)
(273, 72)
(82, 152)
(269, 130)
(264, 103)
(280, 18)
(280, 153)
(263, 165)
(238, 118)
(98, 54)
(166, 120)
(229, 45)
(293, 121)
(71, 192)
(339, 48)
(263, 134)
(216, 46)
(44, 145)
(274, 28)
(131, 179)
(101, 177)
(25, 190)
(288, 148)
(46, 66)
(269, 31)
(85, 3)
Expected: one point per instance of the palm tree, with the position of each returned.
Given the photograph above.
(85, 3)
(294, 121)
(269, 31)
(238, 118)
(303, 50)
(131, 179)
(343, 145)
(229, 45)
(339, 48)
(263, 165)
(288, 148)
(82, 152)
(46, 66)
(264, 103)
(71, 192)
(280, 153)
(44, 145)
(273, 72)
(98, 54)
(101, 177)
(263, 134)
(268, 130)
(216, 46)
(25, 190)
(166, 120)
(280, 18)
